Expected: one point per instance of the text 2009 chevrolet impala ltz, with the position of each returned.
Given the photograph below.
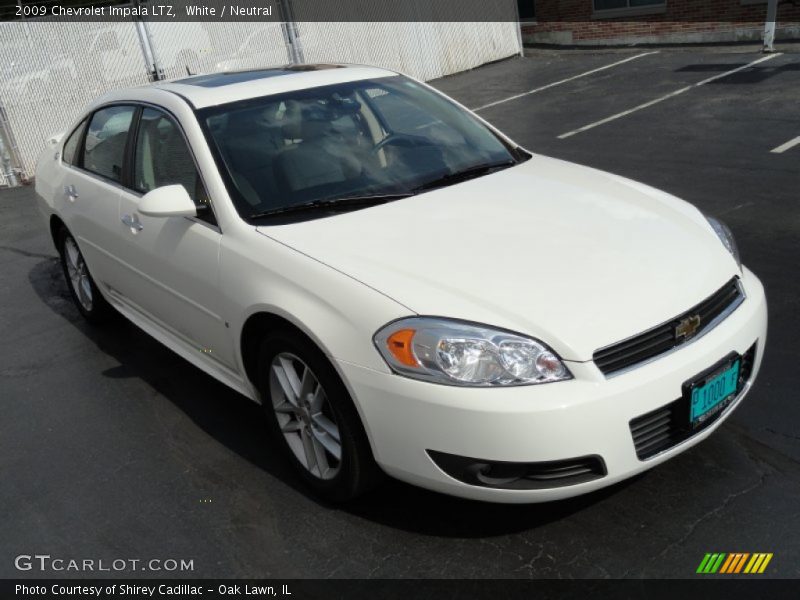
(401, 286)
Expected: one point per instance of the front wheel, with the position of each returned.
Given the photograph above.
(84, 292)
(313, 419)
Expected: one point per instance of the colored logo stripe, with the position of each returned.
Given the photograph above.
(727, 564)
(721, 562)
(711, 563)
(734, 563)
(758, 563)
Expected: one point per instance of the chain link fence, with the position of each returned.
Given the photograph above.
(422, 50)
(49, 71)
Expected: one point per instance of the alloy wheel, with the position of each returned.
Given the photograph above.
(305, 416)
(78, 274)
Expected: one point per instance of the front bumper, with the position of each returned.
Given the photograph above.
(586, 416)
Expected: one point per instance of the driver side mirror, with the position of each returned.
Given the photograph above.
(168, 201)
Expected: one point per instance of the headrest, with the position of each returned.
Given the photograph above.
(243, 121)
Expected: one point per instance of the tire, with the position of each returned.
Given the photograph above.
(306, 425)
(87, 298)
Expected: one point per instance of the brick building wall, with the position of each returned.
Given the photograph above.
(585, 22)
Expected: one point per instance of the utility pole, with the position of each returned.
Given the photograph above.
(769, 26)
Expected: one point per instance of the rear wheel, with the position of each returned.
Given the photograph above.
(84, 292)
(313, 419)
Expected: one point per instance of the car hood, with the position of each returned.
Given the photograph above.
(575, 257)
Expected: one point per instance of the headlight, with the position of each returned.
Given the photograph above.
(457, 353)
(726, 237)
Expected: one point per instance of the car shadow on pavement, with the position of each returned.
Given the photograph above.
(402, 506)
(238, 423)
(755, 74)
(226, 415)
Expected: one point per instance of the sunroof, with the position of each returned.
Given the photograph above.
(220, 79)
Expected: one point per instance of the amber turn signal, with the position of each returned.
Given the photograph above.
(399, 344)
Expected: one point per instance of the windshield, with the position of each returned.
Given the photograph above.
(386, 136)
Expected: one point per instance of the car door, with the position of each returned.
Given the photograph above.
(172, 262)
(93, 159)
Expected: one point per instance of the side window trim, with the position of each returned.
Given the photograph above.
(82, 142)
(130, 148)
(132, 165)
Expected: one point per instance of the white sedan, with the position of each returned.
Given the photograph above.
(402, 287)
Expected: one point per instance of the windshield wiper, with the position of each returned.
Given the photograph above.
(332, 203)
(346, 202)
(465, 174)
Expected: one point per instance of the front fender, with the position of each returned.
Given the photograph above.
(339, 313)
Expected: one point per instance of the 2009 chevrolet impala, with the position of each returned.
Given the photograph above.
(402, 287)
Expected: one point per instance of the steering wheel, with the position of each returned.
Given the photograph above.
(403, 140)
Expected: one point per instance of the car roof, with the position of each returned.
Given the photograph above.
(202, 91)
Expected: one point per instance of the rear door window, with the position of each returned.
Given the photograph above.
(104, 151)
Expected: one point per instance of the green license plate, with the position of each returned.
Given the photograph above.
(712, 394)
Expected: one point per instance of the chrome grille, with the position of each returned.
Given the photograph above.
(661, 339)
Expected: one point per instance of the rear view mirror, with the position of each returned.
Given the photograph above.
(168, 201)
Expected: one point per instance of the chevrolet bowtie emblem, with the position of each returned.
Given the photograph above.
(687, 327)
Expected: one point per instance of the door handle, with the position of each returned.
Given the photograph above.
(133, 222)
(70, 193)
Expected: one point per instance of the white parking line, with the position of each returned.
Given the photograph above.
(666, 97)
(568, 79)
(784, 147)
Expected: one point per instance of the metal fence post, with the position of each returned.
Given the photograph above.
(290, 26)
(144, 47)
(9, 154)
(769, 26)
(519, 29)
(149, 46)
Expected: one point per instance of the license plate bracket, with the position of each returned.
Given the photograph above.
(713, 390)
